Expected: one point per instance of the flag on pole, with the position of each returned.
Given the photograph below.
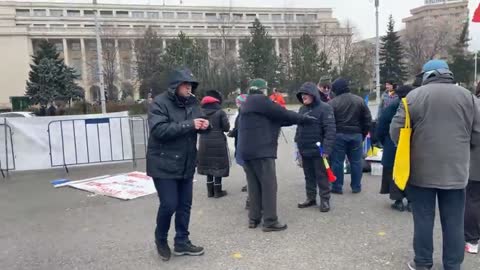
(476, 15)
(330, 175)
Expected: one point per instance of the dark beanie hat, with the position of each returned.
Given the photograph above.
(403, 91)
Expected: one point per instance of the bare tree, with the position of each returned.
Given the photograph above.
(111, 63)
(110, 55)
(343, 47)
(423, 43)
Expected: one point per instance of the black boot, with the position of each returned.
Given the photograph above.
(409, 207)
(398, 205)
(163, 250)
(324, 205)
(210, 192)
(244, 189)
(217, 188)
(253, 224)
(307, 203)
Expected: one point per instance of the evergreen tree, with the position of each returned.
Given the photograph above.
(462, 61)
(72, 91)
(50, 78)
(391, 56)
(307, 63)
(258, 57)
(186, 52)
(150, 70)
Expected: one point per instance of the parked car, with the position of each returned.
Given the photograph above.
(17, 114)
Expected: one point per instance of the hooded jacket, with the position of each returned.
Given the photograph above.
(307, 136)
(442, 119)
(172, 146)
(352, 115)
(212, 150)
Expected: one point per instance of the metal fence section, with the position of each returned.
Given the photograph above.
(7, 152)
(98, 140)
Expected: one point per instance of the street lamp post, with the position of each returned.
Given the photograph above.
(100, 60)
(377, 54)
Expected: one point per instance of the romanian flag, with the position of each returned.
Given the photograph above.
(330, 175)
(476, 15)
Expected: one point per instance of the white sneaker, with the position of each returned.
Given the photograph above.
(471, 248)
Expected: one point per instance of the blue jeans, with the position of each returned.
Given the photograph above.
(175, 198)
(349, 145)
(451, 204)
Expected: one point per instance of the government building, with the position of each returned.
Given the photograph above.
(72, 28)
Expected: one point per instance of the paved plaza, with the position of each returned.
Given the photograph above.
(49, 229)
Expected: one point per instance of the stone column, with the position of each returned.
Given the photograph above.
(133, 65)
(290, 47)
(84, 68)
(277, 46)
(117, 59)
(237, 47)
(65, 52)
(30, 46)
(209, 46)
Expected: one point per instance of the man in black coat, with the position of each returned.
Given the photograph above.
(175, 118)
(260, 123)
(307, 137)
(353, 120)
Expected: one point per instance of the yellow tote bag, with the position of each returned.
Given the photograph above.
(401, 167)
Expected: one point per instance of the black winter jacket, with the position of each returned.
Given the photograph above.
(383, 134)
(172, 146)
(259, 127)
(307, 136)
(212, 150)
(352, 115)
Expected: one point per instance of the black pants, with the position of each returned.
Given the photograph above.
(451, 204)
(472, 213)
(316, 174)
(389, 186)
(262, 190)
(175, 198)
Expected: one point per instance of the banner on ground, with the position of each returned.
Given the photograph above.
(126, 186)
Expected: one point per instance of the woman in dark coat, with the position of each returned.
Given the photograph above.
(389, 151)
(213, 160)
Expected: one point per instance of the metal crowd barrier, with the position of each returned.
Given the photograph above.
(76, 142)
(7, 152)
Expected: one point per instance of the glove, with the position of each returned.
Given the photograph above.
(308, 119)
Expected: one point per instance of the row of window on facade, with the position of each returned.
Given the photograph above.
(168, 15)
(160, 26)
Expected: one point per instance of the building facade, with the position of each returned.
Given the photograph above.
(433, 2)
(72, 28)
(439, 12)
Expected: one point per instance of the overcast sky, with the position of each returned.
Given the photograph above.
(360, 12)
